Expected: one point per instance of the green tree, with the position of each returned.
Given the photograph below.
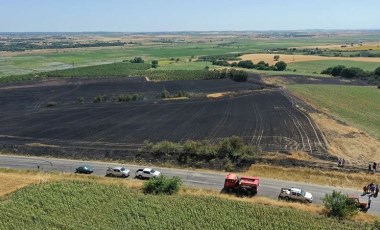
(337, 70)
(137, 60)
(154, 64)
(352, 72)
(339, 205)
(377, 71)
(248, 64)
(280, 66)
(327, 71)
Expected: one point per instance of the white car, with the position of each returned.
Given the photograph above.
(147, 173)
(118, 172)
(295, 194)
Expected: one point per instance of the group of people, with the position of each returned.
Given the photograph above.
(372, 167)
(372, 190)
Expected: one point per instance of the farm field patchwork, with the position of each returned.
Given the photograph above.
(265, 118)
(15, 63)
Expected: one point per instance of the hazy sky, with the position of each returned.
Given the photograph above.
(186, 15)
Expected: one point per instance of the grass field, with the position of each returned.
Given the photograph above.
(318, 66)
(358, 106)
(79, 204)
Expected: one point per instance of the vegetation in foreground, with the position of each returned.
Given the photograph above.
(229, 153)
(162, 185)
(355, 105)
(79, 204)
(339, 205)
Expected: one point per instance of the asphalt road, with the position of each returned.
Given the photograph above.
(195, 178)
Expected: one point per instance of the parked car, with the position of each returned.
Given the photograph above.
(147, 173)
(118, 172)
(295, 194)
(87, 169)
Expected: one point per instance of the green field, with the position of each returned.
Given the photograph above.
(62, 59)
(318, 66)
(356, 105)
(121, 69)
(83, 205)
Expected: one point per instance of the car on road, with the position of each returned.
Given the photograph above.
(295, 194)
(147, 173)
(118, 171)
(87, 169)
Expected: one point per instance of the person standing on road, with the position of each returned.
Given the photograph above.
(374, 166)
(370, 168)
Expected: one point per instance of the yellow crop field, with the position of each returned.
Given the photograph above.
(301, 58)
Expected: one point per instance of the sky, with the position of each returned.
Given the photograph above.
(186, 15)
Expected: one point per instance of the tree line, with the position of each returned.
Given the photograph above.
(372, 77)
(248, 64)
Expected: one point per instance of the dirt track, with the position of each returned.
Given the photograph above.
(264, 117)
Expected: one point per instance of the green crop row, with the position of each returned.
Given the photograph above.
(87, 205)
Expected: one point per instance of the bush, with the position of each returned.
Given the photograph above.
(339, 205)
(51, 104)
(137, 60)
(167, 94)
(80, 99)
(238, 75)
(351, 72)
(100, 98)
(248, 64)
(327, 71)
(262, 65)
(125, 97)
(337, 70)
(162, 185)
(377, 71)
(166, 148)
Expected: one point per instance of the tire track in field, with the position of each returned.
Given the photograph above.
(317, 131)
(258, 142)
(222, 121)
(256, 124)
(304, 136)
(297, 128)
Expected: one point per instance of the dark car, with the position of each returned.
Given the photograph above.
(84, 169)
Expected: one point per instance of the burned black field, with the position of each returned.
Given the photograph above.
(264, 117)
